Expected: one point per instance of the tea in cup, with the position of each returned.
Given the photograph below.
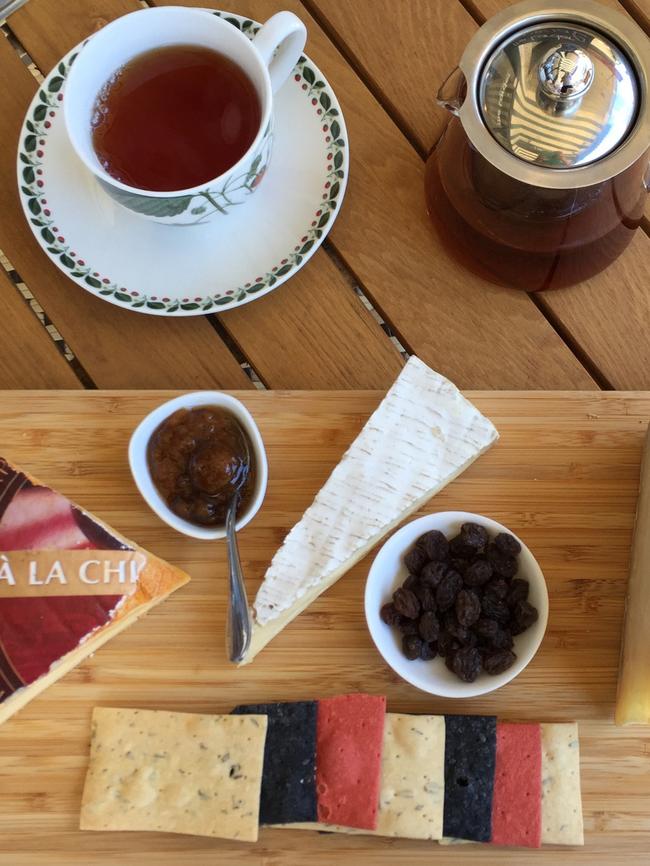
(172, 108)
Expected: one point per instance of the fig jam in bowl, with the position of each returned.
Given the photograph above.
(187, 457)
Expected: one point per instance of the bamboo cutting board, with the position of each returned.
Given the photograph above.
(564, 476)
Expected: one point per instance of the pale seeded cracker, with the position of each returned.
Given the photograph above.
(561, 800)
(174, 772)
(411, 796)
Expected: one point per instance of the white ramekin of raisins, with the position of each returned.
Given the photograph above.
(456, 604)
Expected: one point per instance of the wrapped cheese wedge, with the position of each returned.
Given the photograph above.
(633, 700)
(68, 583)
(422, 436)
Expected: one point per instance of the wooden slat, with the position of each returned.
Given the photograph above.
(459, 324)
(118, 348)
(564, 476)
(618, 293)
(28, 356)
(48, 30)
(376, 34)
(640, 10)
(487, 8)
(314, 332)
(315, 318)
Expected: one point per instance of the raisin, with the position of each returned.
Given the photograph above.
(486, 628)
(474, 536)
(493, 608)
(415, 560)
(411, 581)
(460, 549)
(466, 664)
(426, 596)
(468, 607)
(498, 662)
(497, 587)
(433, 573)
(435, 545)
(389, 615)
(507, 544)
(523, 616)
(502, 640)
(462, 634)
(406, 603)
(518, 591)
(428, 626)
(411, 646)
(502, 564)
(460, 565)
(448, 589)
(478, 573)
(447, 643)
(428, 651)
(407, 626)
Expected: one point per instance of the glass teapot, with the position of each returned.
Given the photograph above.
(540, 178)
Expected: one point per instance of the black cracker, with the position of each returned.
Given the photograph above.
(289, 773)
(470, 751)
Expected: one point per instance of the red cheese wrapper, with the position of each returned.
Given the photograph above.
(349, 738)
(517, 799)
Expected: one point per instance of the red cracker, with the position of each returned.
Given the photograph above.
(517, 799)
(349, 738)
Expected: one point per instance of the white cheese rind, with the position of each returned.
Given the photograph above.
(423, 434)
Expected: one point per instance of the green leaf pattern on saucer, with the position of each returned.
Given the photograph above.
(32, 188)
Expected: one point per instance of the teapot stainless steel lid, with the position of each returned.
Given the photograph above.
(559, 95)
(555, 95)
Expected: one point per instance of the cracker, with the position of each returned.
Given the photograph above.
(177, 772)
(561, 800)
(411, 795)
(289, 777)
(350, 733)
(517, 800)
(470, 749)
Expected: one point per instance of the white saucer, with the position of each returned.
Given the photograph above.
(188, 270)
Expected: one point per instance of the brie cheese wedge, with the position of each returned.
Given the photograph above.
(422, 436)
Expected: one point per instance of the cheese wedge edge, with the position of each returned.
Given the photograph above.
(424, 381)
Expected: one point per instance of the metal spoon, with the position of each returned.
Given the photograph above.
(239, 625)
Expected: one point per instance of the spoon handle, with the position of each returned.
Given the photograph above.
(239, 627)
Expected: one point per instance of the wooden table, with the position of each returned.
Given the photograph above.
(564, 475)
(381, 272)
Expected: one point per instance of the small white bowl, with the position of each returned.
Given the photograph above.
(142, 476)
(388, 572)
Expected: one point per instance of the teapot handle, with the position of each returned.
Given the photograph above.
(453, 91)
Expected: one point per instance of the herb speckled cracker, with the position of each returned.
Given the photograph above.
(175, 772)
(289, 778)
(561, 801)
(470, 750)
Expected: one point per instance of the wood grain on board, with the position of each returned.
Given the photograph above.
(564, 476)
(117, 348)
(316, 308)
(28, 355)
(475, 334)
(607, 316)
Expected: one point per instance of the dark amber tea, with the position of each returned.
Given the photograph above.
(174, 118)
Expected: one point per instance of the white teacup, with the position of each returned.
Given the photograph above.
(121, 40)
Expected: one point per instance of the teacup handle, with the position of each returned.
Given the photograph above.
(286, 32)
